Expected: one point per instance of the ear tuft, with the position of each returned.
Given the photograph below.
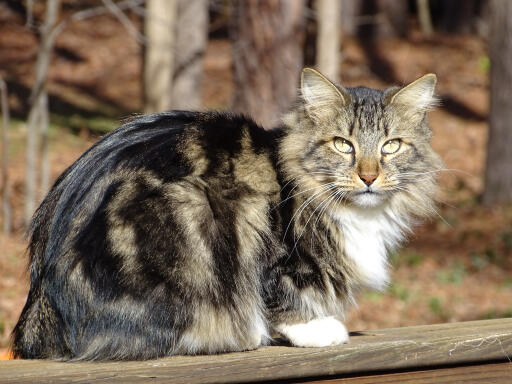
(419, 95)
(319, 93)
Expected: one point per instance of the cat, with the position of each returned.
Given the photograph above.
(201, 232)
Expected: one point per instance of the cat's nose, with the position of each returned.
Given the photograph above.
(368, 179)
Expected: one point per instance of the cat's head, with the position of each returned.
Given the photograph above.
(362, 147)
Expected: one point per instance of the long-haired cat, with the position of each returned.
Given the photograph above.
(189, 232)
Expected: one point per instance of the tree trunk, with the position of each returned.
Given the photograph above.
(350, 11)
(36, 112)
(267, 56)
(424, 17)
(191, 39)
(390, 18)
(396, 17)
(498, 180)
(459, 16)
(328, 38)
(159, 29)
(6, 191)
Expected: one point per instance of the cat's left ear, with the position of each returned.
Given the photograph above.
(321, 97)
(417, 97)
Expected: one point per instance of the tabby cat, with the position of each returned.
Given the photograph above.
(201, 232)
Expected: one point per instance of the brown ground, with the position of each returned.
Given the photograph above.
(455, 268)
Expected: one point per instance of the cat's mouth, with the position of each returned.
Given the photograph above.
(367, 197)
(368, 190)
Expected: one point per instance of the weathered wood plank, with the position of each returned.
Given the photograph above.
(398, 348)
(474, 374)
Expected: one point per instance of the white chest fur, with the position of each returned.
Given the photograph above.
(369, 235)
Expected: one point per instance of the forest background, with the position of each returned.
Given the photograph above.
(72, 70)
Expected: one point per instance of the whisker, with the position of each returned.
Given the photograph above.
(302, 192)
(307, 222)
(304, 205)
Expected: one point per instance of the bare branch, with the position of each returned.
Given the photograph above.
(97, 11)
(44, 127)
(30, 14)
(37, 99)
(6, 192)
(123, 19)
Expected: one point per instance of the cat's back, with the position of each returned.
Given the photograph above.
(180, 144)
(158, 161)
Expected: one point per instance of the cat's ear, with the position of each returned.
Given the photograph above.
(417, 97)
(321, 96)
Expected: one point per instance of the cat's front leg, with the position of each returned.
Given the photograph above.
(320, 332)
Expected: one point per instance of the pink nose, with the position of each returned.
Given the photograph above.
(368, 179)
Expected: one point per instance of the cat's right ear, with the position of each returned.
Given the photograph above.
(417, 97)
(321, 97)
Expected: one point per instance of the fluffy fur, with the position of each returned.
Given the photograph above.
(187, 232)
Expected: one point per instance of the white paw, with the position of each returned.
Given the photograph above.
(315, 333)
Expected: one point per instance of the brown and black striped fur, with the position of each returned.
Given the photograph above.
(188, 232)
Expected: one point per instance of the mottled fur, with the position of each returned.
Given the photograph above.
(188, 232)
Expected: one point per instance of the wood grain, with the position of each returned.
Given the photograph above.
(410, 348)
(473, 374)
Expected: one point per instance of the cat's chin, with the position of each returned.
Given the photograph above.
(368, 199)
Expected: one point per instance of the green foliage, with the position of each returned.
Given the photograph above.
(399, 291)
(484, 63)
(494, 314)
(372, 296)
(408, 258)
(478, 261)
(508, 283)
(95, 124)
(497, 252)
(437, 308)
(413, 259)
(506, 239)
(454, 275)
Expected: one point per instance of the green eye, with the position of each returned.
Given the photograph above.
(342, 145)
(391, 146)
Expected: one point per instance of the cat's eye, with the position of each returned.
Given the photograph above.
(391, 146)
(342, 145)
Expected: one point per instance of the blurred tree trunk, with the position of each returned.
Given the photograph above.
(350, 11)
(498, 180)
(424, 17)
(267, 56)
(459, 16)
(39, 107)
(6, 192)
(384, 18)
(396, 18)
(159, 29)
(176, 36)
(191, 40)
(328, 38)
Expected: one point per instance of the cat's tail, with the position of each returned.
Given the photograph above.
(35, 335)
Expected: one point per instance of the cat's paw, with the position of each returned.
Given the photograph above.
(315, 333)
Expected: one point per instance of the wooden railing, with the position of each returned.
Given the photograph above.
(469, 352)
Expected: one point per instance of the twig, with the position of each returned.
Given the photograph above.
(97, 11)
(30, 14)
(123, 19)
(36, 113)
(6, 204)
